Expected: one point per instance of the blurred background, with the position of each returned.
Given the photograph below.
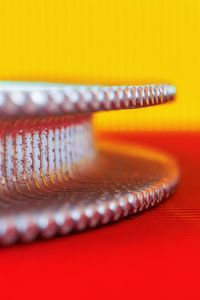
(111, 42)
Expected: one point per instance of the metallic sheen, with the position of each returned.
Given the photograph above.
(121, 184)
(40, 98)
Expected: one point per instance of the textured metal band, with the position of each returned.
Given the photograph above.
(119, 186)
(38, 98)
(38, 154)
(52, 181)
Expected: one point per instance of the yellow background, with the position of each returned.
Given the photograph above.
(108, 41)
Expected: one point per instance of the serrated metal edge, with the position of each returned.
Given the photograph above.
(27, 227)
(75, 99)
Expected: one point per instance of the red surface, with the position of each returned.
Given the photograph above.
(153, 256)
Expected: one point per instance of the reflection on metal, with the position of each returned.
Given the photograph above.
(47, 99)
(120, 185)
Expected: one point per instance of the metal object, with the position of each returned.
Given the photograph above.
(47, 99)
(36, 152)
(52, 179)
(121, 184)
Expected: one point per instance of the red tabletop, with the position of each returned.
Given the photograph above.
(154, 255)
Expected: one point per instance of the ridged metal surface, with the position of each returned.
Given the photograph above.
(120, 185)
(31, 99)
(52, 180)
(38, 154)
